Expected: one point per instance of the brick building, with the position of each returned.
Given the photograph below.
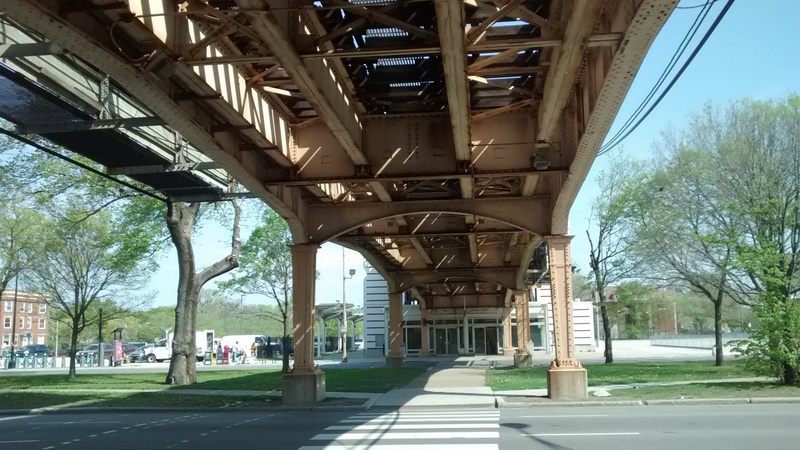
(30, 316)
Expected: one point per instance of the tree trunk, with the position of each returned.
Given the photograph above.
(285, 339)
(73, 350)
(181, 218)
(790, 375)
(718, 332)
(180, 221)
(608, 351)
(182, 364)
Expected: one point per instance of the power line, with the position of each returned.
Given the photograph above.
(78, 163)
(683, 68)
(670, 65)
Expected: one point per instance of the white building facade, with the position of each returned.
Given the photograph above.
(468, 331)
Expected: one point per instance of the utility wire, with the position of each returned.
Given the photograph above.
(683, 68)
(79, 164)
(670, 65)
(696, 6)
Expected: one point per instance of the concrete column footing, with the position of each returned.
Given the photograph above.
(567, 383)
(394, 362)
(523, 360)
(303, 388)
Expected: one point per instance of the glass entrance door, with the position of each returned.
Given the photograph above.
(480, 340)
(446, 341)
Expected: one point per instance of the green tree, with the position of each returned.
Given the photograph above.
(756, 145)
(608, 257)
(266, 270)
(82, 265)
(683, 235)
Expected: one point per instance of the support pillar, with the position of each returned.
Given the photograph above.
(425, 331)
(465, 335)
(306, 383)
(508, 346)
(566, 379)
(522, 358)
(395, 358)
(338, 335)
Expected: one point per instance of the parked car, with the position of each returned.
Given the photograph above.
(108, 350)
(127, 349)
(358, 344)
(137, 355)
(33, 350)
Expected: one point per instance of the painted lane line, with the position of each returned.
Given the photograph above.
(3, 419)
(578, 434)
(422, 426)
(390, 435)
(448, 419)
(109, 431)
(575, 416)
(432, 414)
(396, 447)
(28, 441)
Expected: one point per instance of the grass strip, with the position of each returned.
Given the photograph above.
(754, 389)
(375, 380)
(32, 400)
(506, 379)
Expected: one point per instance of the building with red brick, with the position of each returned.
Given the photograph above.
(23, 315)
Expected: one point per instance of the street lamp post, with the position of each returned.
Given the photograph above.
(344, 308)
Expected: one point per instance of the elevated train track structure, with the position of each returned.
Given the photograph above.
(444, 140)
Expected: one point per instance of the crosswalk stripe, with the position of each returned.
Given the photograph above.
(393, 436)
(403, 419)
(421, 426)
(416, 447)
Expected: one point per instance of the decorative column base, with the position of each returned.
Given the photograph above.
(303, 388)
(567, 383)
(394, 362)
(523, 360)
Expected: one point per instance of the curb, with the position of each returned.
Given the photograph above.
(688, 401)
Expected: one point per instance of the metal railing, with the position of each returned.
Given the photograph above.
(704, 340)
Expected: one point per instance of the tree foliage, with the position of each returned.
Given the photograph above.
(609, 258)
(759, 152)
(266, 270)
(82, 265)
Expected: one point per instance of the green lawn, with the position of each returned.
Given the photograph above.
(29, 400)
(708, 390)
(337, 380)
(503, 379)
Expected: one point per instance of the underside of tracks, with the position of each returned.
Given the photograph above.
(444, 140)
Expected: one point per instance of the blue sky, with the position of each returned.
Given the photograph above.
(752, 54)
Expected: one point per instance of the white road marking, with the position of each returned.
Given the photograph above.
(402, 419)
(422, 426)
(29, 441)
(432, 414)
(565, 417)
(578, 434)
(395, 447)
(109, 431)
(390, 435)
(3, 419)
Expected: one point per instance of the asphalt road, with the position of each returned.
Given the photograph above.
(747, 426)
